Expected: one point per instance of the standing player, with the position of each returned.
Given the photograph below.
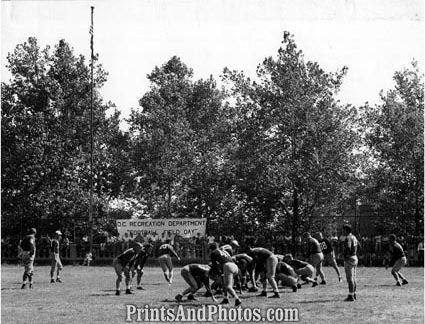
(222, 263)
(328, 253)
(302, 268)
(165, 252)
(139, 263)
(195, 275)
(265, 262)
(350, 262)
(122, 264)
(315, 254)
(56, 261)
(28, 256)
(398, 260)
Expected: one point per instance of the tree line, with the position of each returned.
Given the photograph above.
(275, 151)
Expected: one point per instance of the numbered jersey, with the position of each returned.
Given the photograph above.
(326, 246)
(350, 246)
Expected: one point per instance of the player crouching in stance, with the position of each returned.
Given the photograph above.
(222, 263)
(139, 263)
(164, 259)
(398, 260)
(301, 268)
(195, 275)
(286, 274)
(56, 261)
(350, 261)
(246, 266)
(123, 263)
(28, 256)
(266, 262)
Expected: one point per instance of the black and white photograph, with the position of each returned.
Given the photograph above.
(214, 161)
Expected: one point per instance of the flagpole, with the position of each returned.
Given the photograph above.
(91, 137)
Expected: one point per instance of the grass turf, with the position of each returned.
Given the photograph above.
(87, 296)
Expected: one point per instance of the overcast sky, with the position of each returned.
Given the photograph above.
(374, 38)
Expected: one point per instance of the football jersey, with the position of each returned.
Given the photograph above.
(125, 257)
(326, 246)
(167, 249)
(140, 259)
(55, 246)
(396, 251)
(28, 243)
(350, 246)
(313, 246)
(220, 257)
(259, 254)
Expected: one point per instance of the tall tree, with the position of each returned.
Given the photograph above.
(45, 127)
(293, 152)
(177, 136)
(394, 134)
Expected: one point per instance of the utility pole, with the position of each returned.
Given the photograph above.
(91, 136)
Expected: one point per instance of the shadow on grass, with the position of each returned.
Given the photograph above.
(102, 295)
(319, 301)
(385, 285)
(12, 288)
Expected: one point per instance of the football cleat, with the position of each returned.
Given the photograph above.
(404, 282)
(349, 298)
(179, 298)
(128, 292)
(237, 302)
(275, 295)
(263, 294)
(117, 293)
(224, 301)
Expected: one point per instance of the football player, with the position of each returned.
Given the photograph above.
(350, 262)
(166, 251)
(397, 260)
(195, 275)
(302, 269)
(265, 262)
(328, 253)
(28, 255)
(222, 263)
(139, 263)
(123, 263)
(315, 255)
(56, 261)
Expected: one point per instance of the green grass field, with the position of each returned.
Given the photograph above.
(87, 296)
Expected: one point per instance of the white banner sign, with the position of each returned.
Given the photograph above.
(161, 228)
